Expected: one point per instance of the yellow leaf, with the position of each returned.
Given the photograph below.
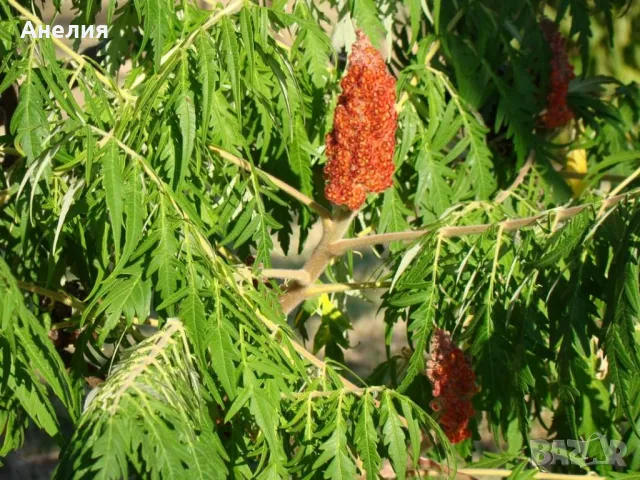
(576, 163)
(328, 308)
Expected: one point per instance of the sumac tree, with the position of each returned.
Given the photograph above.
(145, 186)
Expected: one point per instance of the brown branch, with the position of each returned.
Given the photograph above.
(285, 187)
(522, 174)
(562, 213)
(332, 245)
(342, 246)
(285, 273)
(502, 473)
(334, 230)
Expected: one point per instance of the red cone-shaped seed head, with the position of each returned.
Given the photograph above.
(558, 112)
(454, 383)
(360, 147)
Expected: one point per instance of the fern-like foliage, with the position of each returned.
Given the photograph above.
(151, 414)
(31, 369)
(536, 295)
(144, 191)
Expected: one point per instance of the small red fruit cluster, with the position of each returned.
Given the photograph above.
(558, 112)
(454, 384)
(360, 147)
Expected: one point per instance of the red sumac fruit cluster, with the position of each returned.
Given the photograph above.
(360, 147)
(558, 112)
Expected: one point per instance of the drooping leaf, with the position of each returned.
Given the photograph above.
(113, 182)
(366, 437)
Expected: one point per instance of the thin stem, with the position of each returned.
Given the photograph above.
(303, 352)
(626, 182)
(285, 273)
(285, 187)
(581, 176)
(314, 290)
(70, 301)
(319, 364)
(59, 297)
(502, 196)
(519, 179)
(359, 391)
(620, 187)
